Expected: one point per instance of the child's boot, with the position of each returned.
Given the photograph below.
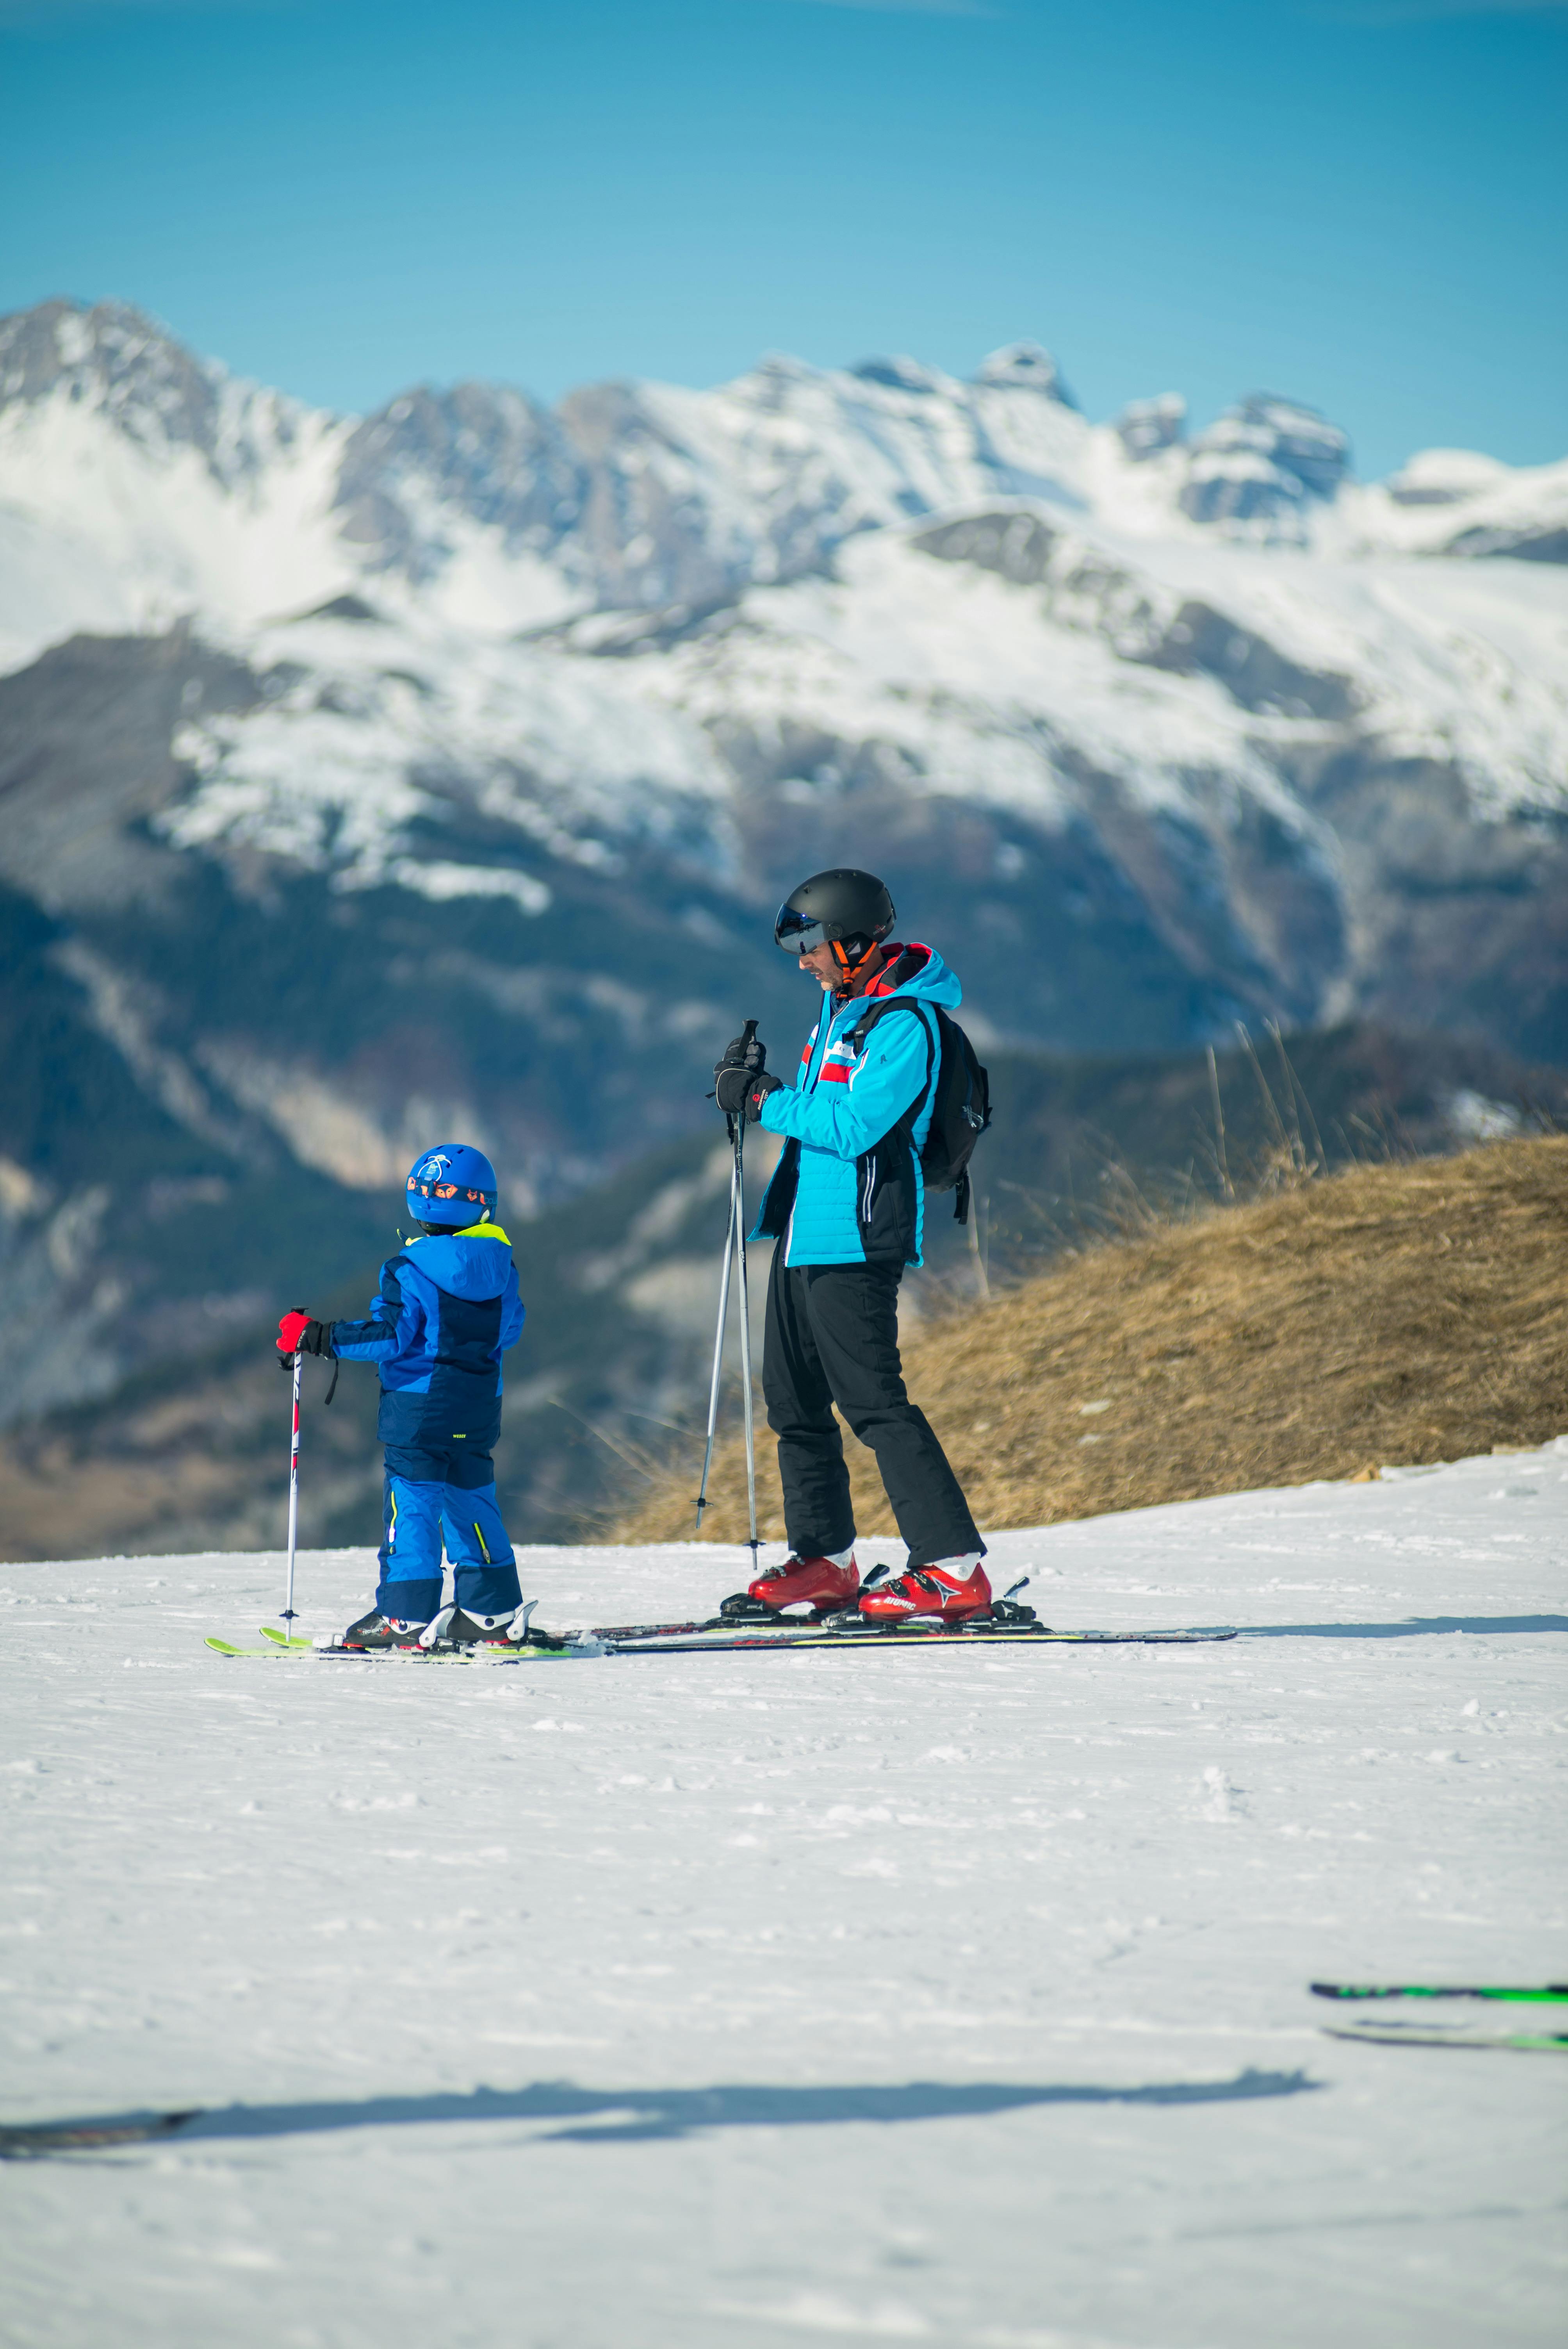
(378, 1630)
(470, 1630)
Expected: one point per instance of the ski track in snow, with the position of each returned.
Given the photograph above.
(957, 1998)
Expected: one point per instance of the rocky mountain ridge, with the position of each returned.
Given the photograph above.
(364, 781)
(499, 512)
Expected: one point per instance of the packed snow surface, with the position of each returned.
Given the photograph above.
(954, 1998)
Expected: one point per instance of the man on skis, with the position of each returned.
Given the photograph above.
(846, 1206)
(446, 1311)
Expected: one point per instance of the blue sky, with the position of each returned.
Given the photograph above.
(1360, 202)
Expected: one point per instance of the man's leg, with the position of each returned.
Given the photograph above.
(819, 1520)
(484, 1571)
(409, 1590)
(853, 1314)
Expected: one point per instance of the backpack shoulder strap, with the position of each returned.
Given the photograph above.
(875, 1012)
(868, 1021)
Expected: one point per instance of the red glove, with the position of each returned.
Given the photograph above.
(291, 1329)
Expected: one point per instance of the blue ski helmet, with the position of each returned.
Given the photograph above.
(451, 1184)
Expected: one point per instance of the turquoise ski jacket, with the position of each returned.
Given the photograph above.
(848, 1188)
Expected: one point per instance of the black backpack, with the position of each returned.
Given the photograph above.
(961, 1111)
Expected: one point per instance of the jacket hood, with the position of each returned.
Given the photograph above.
(465, 1263)
(930, 979)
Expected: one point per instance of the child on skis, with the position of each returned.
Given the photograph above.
(446, 1311)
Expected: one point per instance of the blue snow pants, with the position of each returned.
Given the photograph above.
(433, 1498)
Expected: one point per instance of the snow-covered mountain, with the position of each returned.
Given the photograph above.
(362, 782)
(139, 483)
(530, 715)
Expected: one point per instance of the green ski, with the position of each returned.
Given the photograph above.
(534, 1651)
(295, 1648)
(1416, 2034)
(1543, 1992)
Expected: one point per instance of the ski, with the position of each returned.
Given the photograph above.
(1416, 2034)
(906, 1635)
(30, 2144)
(295, 1648)
(533, 1652)
(742, 1613)
(768, 1625)
(676, 1630)
(1544, 1991)
(282, 1639)
(582, 1644)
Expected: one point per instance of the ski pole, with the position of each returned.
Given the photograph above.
(735, 1234)
(288, 1614)
(738, 1125)
(717, 1352)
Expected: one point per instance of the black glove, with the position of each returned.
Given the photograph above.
(743, 1052)
(740, 1092)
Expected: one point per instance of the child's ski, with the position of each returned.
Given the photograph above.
(1416, 2034)
(295, 1648)
(1544, 1991)
(534, 1651)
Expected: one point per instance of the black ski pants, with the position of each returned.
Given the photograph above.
(832, 1337)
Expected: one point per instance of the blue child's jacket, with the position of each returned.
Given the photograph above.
(848, 1189)
(446, 1311)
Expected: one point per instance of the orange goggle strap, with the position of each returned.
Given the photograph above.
(848, 963)
(849, 966)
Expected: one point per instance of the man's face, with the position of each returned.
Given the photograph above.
(819, 962)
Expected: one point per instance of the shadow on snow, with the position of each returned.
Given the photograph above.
(619, 2116)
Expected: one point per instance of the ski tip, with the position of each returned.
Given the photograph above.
(1545, 1993)
(1388, 2034)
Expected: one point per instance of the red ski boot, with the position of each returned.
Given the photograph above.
(956, 1588)
(804, 1582)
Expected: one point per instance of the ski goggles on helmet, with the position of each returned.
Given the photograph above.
(443, 1193)
(797, 933)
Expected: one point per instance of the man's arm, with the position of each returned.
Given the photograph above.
(393, 1326)
(847, 1119)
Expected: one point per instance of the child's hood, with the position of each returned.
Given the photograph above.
(472, 1263)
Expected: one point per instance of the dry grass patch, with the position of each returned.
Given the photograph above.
(1391, 1313)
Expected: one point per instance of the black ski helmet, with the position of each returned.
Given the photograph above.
(849, 911)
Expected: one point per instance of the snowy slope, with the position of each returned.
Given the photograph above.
(954, 1998)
